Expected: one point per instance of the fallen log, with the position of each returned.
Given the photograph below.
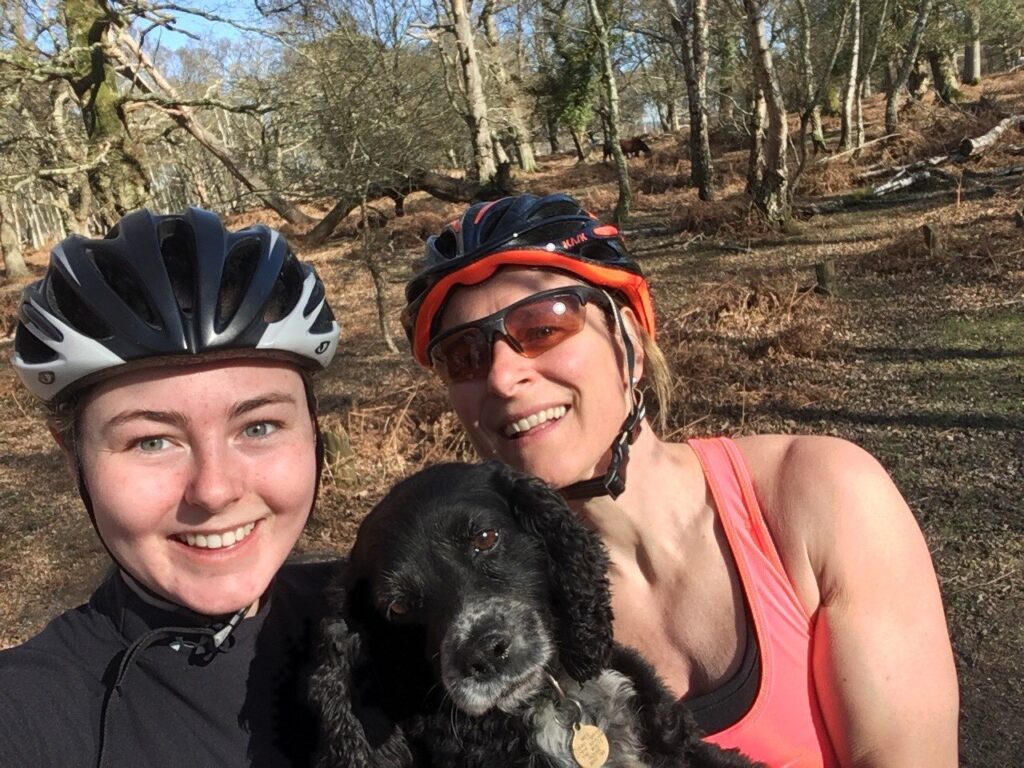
(447, 188)
(931, 162)
(836, 204)
(836, 156)
(974, 147)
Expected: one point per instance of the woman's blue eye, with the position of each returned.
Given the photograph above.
(152, 444)
(260, 429)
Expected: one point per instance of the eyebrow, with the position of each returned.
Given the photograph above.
(179, 420)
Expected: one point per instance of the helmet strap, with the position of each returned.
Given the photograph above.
(613, 481)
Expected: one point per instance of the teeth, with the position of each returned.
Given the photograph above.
(216, 540)
(533, 420)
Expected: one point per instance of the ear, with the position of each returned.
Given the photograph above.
(577, 574)
(636, 336)
(66, 449)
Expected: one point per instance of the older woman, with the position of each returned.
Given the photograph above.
(779, 584)
(175, 358)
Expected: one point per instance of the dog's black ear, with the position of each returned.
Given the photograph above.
(577, 573)
(356, 730)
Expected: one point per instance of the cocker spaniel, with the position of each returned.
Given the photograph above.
(472, 627)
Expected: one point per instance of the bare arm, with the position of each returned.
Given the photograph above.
(882, 662)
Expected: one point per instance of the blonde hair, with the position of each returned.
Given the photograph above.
(658, 378)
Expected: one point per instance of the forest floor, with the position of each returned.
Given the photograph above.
(918, 357)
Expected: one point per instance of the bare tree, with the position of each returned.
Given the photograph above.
(476, 103)
(848, 130)
(899, 82)
(612, 95)
(771, 190)
(690, 19)
(517, 124)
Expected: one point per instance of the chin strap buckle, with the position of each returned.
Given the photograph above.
(613, 482)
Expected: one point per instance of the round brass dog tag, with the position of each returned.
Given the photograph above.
(589, 746)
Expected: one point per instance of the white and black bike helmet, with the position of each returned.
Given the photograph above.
(167, 286)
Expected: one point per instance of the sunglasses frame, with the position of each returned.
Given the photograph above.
(493, 325)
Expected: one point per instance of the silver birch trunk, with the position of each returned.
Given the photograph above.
(771, 195)
(476, 103)
(612, 94)
(807, 77)
(847, 131)
(690, 19)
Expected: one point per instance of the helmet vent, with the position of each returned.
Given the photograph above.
(563, 207)
(177, 248)
(555, 232)
(63, 296)
(324, 322)
(286, 293)
(123, 282)
(32, 350)
(447, 244)
(239, 268)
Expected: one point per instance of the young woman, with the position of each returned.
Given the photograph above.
(779, 584)
(175, 359)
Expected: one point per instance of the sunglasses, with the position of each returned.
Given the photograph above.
(531, 326)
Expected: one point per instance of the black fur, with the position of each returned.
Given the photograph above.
(436, 618)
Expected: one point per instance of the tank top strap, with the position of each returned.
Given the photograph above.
(732, 489)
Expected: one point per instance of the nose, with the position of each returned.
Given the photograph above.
(217, 478)
(485, 656)
(508, 369)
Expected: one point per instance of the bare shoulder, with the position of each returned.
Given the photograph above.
(823, 498)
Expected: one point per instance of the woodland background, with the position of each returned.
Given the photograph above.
(830, 207)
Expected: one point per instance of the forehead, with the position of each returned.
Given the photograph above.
(507, 286)
(182, 386)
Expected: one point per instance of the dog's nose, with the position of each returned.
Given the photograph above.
(486, 655)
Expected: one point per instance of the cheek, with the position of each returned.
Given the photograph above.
(128, 502)
(287, 481)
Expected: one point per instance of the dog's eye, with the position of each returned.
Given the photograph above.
(485, 540)
(397, 608)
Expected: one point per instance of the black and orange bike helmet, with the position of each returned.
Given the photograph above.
(551, 232)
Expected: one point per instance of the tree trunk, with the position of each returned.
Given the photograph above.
(847, 135)
(506, 88)
(612, 94)
(893, 96)
(119, 183)
(944, 75)
(972, 50)
(689, 17)
(771, 195)
(728, 56)
(552, 128)
(484, 166)
(758, 119)
(10, 242)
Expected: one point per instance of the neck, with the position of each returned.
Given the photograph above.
(664, 487)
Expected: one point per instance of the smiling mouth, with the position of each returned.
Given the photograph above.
(220, 540)
(518, 428)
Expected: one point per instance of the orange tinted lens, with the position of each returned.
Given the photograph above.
(540, 325)
(463, 356)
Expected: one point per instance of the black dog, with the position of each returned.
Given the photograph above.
(473, 627)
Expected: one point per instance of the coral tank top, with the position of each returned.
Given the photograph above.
(784, 727)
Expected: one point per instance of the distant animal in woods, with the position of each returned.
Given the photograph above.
(473, 629)
(630, 148)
